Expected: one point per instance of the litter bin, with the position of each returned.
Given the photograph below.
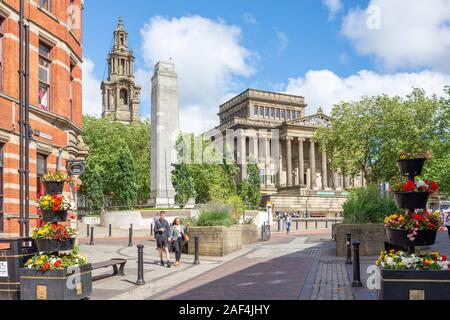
(11, 260)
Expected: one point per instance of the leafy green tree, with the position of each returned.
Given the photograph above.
(368, 135)
(92, 188)
(105, 138)
(124, 178)
(181, 177)
(251, 187)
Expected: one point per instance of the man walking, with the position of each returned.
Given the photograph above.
(162, 236)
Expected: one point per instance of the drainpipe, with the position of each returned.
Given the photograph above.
(27, 129)
(21, 124)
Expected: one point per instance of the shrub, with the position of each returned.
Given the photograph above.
(213, 215)
(365, 205)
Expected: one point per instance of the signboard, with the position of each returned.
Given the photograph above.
(324, 193)
(43, 135)
(3, 269)
(76, 168)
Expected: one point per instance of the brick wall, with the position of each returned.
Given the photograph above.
(56, 127)
(371, 236)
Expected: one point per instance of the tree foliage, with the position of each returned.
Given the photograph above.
(106, 138)
(251, 187)
(368, 135)
(125, 180)
(92, 188)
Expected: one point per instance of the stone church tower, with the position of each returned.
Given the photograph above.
(120, 93)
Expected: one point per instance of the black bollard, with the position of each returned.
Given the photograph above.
(326, 224)
(317, 225)
(296, 225)
(130, 237)
(151, 229)
(196, 253)
(110, 231)
(279, 225)
(348, 246)
(306, 224)
(91, 242)
(140, 280)
(356, 267)
(262, 231)
(87, 231)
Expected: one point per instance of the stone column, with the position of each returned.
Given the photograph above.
(242, 153)
(324, 171)
(312, 159)
(288, 161)
(267, 160)
(301, 162)
(335, 180)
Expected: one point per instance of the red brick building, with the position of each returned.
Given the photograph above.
(55, 95)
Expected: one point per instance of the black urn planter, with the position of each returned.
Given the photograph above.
(414, 285)
(423, 238)
(411, 200)
(53, 187)
(411, 167)
(54, 245)
(73, 284)
(50, 216)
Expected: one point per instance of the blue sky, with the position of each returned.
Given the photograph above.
(324, 50)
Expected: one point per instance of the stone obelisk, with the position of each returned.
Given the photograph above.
(165, 130)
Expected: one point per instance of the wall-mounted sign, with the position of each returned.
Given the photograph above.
(43, 135)
(76, 168)
(3, 269)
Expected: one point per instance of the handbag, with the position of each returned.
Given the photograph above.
(185, 237)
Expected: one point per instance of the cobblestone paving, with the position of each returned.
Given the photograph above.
(332, 282)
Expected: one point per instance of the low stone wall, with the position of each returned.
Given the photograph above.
(371, 236)
(249, 234)
(216, 241)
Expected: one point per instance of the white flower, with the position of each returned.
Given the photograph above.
(421, 184)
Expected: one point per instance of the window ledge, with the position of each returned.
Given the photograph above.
(48, 13)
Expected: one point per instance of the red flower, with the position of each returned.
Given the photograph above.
(45, 267)
(54, 226)
(431, 225)
(57, 263)
(444, 258)
(434, 186)
(409, 186)
(417, 217)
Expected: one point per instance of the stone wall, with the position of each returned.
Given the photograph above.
(371, 236)
(216, 241)
(249, 234)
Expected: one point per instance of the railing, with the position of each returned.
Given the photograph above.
(298, 224)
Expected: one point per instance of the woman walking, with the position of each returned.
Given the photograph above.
(178, 234)
(447, 223)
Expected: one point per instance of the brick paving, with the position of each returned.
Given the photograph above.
(332, 282)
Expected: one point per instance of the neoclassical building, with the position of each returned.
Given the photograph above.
(273, 130)
(120, 94)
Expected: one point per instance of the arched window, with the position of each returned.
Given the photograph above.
(123, 97)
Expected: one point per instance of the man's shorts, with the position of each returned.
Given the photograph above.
(162, 243)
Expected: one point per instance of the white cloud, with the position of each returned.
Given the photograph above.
(249, 18)
(283, 41)
(333, 6)
(208, 57)
(402, 33)
(92, 97)
(323, 88)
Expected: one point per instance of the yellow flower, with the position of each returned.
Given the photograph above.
(39, 262)
(40, 232)
(401, 218)
(30, 261)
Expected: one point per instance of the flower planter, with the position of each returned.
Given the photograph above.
(411, 200)
(411, 167)
(53, 187)
(54, 216)
(54, 245)
(74, 284)
(414, 285)
(423, 238)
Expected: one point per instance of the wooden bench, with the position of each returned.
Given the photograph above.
(118, 266)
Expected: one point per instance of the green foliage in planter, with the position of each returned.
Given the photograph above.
(125, 180)
(365, 205)
(214, 214)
